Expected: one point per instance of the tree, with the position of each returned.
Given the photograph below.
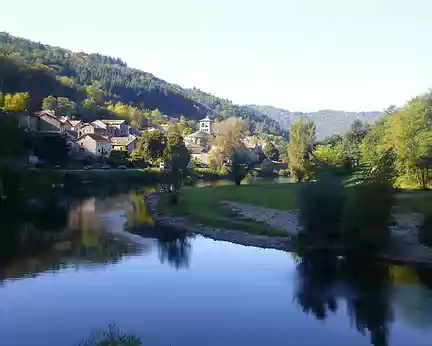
(49, 103)
(407, 133)
(351, 141)
(177, 158)
(271, 152)
(89, 106)
(65, 107)
(333, 140)
(325, 155)
(1, 100)
(95, 94)
(229, 136)
(187, 131)
(151, 147)
(16, 102)
(182, 126)
(157, 117)
(302, 136)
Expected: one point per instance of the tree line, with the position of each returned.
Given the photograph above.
(402, 138)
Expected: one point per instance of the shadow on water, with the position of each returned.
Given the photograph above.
(371, 291)
(365, 286)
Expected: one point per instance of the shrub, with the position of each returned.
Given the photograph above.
(112, 337)
(366, 216)
(321, 208)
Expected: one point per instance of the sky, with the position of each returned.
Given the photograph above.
(301, 55)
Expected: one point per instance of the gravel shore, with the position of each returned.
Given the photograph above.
(404, 245)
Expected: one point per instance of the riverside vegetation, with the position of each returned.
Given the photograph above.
(346, 185)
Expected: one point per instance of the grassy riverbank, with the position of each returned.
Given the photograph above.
(202, 205)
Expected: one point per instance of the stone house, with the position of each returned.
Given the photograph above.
(112, 128)
(76, 125)
(130, 144)
(47, 121)
(92, 144)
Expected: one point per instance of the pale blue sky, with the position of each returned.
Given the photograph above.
(301, 55)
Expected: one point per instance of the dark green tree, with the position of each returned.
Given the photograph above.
(177, 158)
(151, 147)
(49, 103)
(65, 107)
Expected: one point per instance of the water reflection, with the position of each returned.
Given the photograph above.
(83, 232)
(173, 246)
(371, 291)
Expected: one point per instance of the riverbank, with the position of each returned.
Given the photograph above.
(211, 207)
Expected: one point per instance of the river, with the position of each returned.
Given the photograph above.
(103, 262)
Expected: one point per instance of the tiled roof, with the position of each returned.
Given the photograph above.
(113, 122)
(122, 140)
(99, 124)
(206, 119)
(199, 134)
(95, 136)
(75, 122)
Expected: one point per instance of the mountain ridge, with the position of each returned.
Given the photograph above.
(327, 121)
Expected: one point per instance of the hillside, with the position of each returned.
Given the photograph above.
(43, 70)
(328, 122)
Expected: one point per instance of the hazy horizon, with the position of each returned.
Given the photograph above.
(302, 57)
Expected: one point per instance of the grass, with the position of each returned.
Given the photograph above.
(201, 205)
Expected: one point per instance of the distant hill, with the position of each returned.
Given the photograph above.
(328, 122)
(43, 70)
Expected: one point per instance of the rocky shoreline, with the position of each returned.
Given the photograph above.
(404, 247)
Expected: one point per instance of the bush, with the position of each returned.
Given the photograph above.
(112, 337)
(251, 177)
(367, 214)
(321, 208)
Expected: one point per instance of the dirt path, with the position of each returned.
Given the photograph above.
(286, 221)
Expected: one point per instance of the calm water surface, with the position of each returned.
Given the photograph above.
(103, 263)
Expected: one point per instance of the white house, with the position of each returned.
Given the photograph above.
(92, 144)
(206, 125)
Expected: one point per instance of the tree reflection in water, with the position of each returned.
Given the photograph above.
(322, 280)
(174, 246)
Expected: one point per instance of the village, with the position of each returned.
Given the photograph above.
(97, 141)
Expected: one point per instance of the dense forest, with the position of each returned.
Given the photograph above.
(97, 84)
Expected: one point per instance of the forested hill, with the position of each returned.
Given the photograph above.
(42, 70)
(328, 122)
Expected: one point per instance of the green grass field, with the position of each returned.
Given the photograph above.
(201, 205)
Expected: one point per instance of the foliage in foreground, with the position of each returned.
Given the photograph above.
(112, 337)
(357, 216)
